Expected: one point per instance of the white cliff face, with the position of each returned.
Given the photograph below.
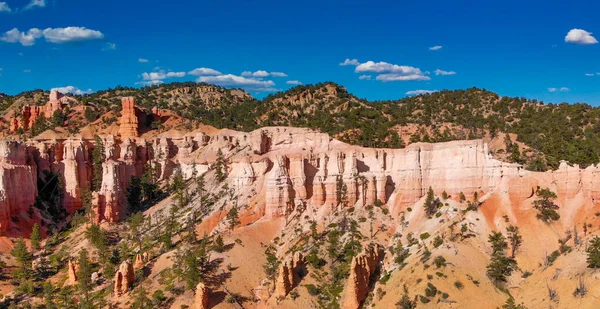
(289, 167)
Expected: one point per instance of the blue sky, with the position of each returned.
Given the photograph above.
(515, 48)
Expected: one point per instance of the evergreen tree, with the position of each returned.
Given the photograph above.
(141, 300)
(98, 157)
(272, 263)
(233, 218)
(84, 273)
(24, 258)
(501, 266)
(35, 237)
(431, 203)
(134, 195)
(515, 239)
(220, 167)
(546, 206)
(148, 183)
(405, 302)
(593, 253)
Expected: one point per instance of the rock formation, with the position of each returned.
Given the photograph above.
(202, 296)
(31, 113)
(124, 278)
(128, 123)
(362, 268)
(289, 275)
(71, 273)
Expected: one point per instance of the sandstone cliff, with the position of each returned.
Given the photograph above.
(362, 268)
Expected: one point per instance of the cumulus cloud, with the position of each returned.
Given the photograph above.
(350, 62)
(160, 75)
(442, 72)
(394, 77)
(34, 4)
(387, 71)
(4, 7)
(278, 74)
(263, 73)
(420, 92)
(580, 36)
(293, 82)
(204, 71)
(437, 47)
(52, 35)
(142, 60)
(73, 90)
(231, 80)
(561, 89)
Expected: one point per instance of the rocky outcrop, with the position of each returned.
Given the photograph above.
(362, 268)
(289, 275)
(202, 296)
(124, 278)
(31, 113)
(128, 123)
(71, 273)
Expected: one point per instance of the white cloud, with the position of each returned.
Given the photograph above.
(579, 36)
(142, 60)
(25, 38)
(161, 75)
(589, 74)
(437, 47)
(150, 82)
(394, 77)
(293, 82)
(71, 34)
(230, 80)
(4, 7)
(368, 77)
(27, 71)
(52, 35)
(420, 92)
(442, 72)
(34, 4)
(259, 73)
(353, 62)
(561, 89)
(73, 90)
(204, 71)
(278, 74)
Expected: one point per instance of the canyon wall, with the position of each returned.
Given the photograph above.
(290, 169)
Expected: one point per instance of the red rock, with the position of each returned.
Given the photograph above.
(289, 275)
(202, 296)
(128, 123)
(72, 273)
(362, 268)
(124, 278)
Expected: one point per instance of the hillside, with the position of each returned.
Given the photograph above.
(542, 134)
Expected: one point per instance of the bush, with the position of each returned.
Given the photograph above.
(312, 289)
(439, 261)
(458, 285)
(431, 290)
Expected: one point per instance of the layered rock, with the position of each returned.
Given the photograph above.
(128, 123)
(124, 278)
(362, 268)
(289, 275)
(202, 296)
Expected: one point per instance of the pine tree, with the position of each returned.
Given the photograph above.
(35, 237)
(545, 205)
(220, 167)
(24, 258)
(430, 203)
(405, 302)
(84, 273)
(233, 218)
(501, 266)
(593, 253)
(134, 195)
(98, 157)
(515, 239)
(272, 263)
